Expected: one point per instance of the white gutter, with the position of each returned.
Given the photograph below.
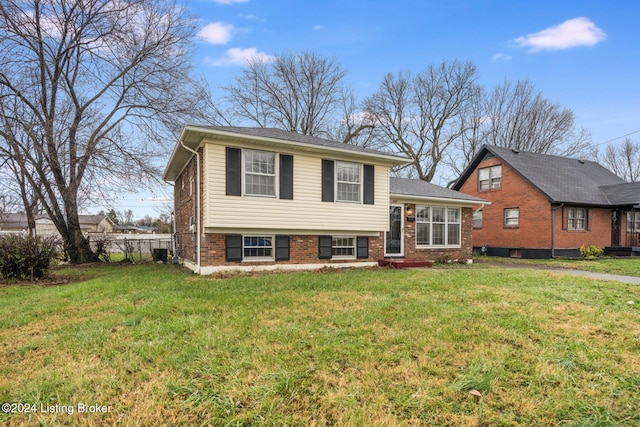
(197, 212)
(463, 202)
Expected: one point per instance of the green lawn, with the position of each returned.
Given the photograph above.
(625, 266)
(381, 347)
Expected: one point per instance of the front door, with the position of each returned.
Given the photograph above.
(615, 227)
(394, 238)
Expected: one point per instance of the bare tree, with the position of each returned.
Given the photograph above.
(95, 89)
(423, 116)
(296, 91)
(519, 117)
(624, 160)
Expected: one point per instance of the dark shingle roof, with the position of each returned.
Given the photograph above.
(295, 137)
(419, 188)
(623, 194)
(561, 179)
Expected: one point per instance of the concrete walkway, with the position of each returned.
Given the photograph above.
(590, 274)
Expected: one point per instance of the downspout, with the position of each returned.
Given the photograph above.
(197, 194)
(553, 228)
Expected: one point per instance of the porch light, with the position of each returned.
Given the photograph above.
(409, 211)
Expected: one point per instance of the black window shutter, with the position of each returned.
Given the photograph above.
(286, 176)
(324, 247)
(363, 247)
(234, 171)
(282, 248)
(234, 248)
(369, 185)
(327, 180)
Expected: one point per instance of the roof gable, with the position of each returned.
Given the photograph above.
(422, 189)
(560, 179)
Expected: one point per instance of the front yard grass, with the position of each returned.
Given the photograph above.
(625, 266)
(458, 347)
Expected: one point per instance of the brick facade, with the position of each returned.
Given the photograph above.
(303, 248)
(429, 254)
(534, 231)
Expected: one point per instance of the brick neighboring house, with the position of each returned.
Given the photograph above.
(545, 206)
(256, 198)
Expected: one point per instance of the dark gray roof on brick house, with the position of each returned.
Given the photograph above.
(560, 179)
(423, 189)
(623, 194)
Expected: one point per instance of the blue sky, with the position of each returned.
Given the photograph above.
(584, 55)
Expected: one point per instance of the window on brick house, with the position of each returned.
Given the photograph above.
(343, 247)
(258, 248)
(512, 217)
(576, 219)
(437, 226)
(477, 218)
(490, 178)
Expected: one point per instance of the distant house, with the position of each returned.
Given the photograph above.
(544, 206)
(255, 198)
(17, 223)
(14, 223)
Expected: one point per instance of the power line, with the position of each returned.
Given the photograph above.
(616, 138)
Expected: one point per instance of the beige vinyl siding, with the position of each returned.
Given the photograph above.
(306, 212)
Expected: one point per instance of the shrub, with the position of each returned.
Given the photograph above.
(26, 257)
(591, 252)
(102, 245)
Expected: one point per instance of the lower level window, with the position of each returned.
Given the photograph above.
(257, 247)
(343, 247)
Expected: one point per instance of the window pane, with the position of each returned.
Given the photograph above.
(453, 215)
(477, 219)
(496, 172)
(511, 216)
(483, 174)
(260, 178)
(348, 192)
(423, 214)
(422, 234)
(343, 247)
(348, 179)
(438, 234)
(258, 246)
(453, 234)
(438, 214)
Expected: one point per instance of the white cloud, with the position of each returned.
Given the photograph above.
(501, 57)
(238, 56)
(216, 33)
(571, 33)
(318, 27)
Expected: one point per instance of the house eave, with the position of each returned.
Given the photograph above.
(448, 200)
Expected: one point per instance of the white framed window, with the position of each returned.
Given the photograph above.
(576, 218)
(258, 248)
(437, 226)
(490, 178)
(343, 247)
(259, 173)
(477, 218)
(512, 217)
(348, 182)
